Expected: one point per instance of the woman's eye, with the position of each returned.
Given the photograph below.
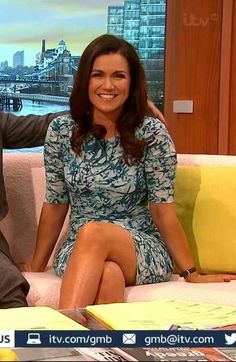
(119, 76)
(96, 75)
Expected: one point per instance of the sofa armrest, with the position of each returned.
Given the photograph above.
(25, 187)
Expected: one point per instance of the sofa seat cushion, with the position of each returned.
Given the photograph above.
(205, 198)
(44, 288)
(214, 293)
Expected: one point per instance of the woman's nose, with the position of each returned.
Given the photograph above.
(108, 84)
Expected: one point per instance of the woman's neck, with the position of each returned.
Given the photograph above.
(107, 123)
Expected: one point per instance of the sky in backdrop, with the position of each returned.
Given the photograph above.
(24, 23)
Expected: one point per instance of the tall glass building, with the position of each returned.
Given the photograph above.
(142, 23)
(18, 59)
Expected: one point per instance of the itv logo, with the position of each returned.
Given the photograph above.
(7, 339)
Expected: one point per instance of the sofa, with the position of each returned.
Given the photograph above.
(205, 199)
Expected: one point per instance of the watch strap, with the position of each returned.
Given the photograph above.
(187, 272)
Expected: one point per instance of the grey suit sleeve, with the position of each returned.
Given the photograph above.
(25, 131)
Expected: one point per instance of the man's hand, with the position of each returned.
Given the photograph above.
(153, 111)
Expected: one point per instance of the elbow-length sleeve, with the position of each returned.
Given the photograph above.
(56, 189)
(159, 163)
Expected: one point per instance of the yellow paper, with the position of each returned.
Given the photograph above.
(162, 314)
(36, 318)
(8, 355)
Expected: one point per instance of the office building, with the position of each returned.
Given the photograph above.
(18, 59)
(115, 21)
(142, 23)
(3, 65)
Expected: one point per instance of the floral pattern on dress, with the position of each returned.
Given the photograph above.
(100, 186)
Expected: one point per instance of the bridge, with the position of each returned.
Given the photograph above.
(47, 75)
(7, 104)
(40, 98)
(16, 98)
(22, 79)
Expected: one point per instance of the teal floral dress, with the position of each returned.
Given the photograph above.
(100, 186)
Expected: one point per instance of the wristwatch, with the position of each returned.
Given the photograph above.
(187, 272)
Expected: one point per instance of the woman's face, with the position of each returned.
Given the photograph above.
(109, 85)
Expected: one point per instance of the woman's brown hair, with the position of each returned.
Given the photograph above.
(134, 108)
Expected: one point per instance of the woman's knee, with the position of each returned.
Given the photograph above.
(91, 236)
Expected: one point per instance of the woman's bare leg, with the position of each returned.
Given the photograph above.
(96, 243)
(112, 285)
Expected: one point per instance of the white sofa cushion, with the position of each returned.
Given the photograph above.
(177, 288)
(25, 186)
(45, 289)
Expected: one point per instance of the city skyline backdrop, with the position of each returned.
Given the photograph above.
(56, 48)
(74, 21)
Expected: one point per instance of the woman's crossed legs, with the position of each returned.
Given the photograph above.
(102, 263)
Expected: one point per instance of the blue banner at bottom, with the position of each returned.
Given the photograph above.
(107, 339)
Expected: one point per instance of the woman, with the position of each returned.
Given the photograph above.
(108, 162)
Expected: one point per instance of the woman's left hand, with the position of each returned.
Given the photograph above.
(210, 278)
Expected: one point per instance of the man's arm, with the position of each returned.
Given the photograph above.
(25, 131)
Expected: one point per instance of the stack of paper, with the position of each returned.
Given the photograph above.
(36, 318)
(162, 314)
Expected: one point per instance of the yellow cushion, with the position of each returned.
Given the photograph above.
(205, 199)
